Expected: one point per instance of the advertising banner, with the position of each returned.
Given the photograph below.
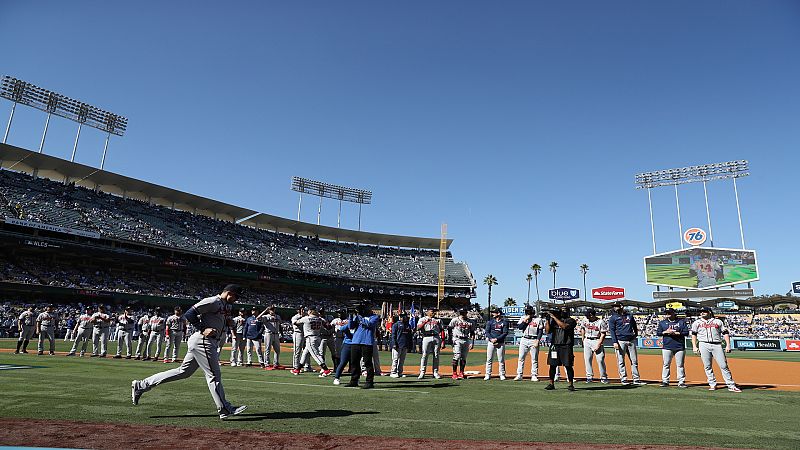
(608, 293)
(796, 287)
(757, 344)
(792, 345)
(564, 293)
(654, 342)
(46, 227)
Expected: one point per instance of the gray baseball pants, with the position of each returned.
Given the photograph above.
(237, 349)
(599, 355)
(312, 348)
(173, 343)
(254, 344)
(714, 351)
(99, 341)
(430, 345)
(48, 333)
(141, 344)
(500, 353)
(680, 356)
(272, 343)
(202, 353)
(82, 336)
(528, 346)
(124, 336)
(398, 360)
(158, 338)
(627, 348)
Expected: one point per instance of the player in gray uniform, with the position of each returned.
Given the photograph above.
(83, 332)
(272, 337)
(432, 330)
(462, 334)
(593, 332)
(26, 324)
(297, 339)
(100, 324)
(209, 316)
(312, 327)
(144, 335)
(157, 327)
(125, 325)
(46, 327)
(326, 334)
(532, 329)
(338, 335)
(237, 338)
(710, 332)
(176, 328)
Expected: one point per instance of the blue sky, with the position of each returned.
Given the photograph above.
(519, 124)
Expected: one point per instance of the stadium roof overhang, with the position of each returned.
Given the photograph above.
(22, 160)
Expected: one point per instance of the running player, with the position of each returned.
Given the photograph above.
(462, 334)
(209, 317)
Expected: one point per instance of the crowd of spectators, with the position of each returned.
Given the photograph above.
(69, 206)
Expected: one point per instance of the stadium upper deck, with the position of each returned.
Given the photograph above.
(107, 206)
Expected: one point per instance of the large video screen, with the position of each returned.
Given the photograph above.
(701, 268)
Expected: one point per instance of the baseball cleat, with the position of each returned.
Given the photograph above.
(325, 373)
(571, 388)
(461, 376)
(269, 368)
(70, 354)
(604, 380)
(336, 382)
(663, 385)
(367, 386)
(589, 380)
(117, 356)
(549, 387)
(136, 393)
(639, 383)
(421, 376)
(127, 357)
(295, 372)
(437, 376)
(518, 378)
(502, 378)
(683, 385)
(534, 378)
(487, 377)
(734, 389)
(42, 353)
(455, 376)
(394, 375)
(712, 387)
(625, 383)
(234, 412)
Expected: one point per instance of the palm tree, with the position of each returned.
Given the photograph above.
(490, 281)
(584, 268)
(554, 268)
(510, 302)
(528, 279)
(536, 269)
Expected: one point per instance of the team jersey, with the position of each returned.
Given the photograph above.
(213, 313)
(706, 272)
(272, 323)
(101, 320)
(26, 319)
(312, 325)
(336, 324)
(297, 328)
(176, 324)
(238, 324)
(47, 320)
(461, 328)
(430, 326)
(125, 323)
(533, 327)
(144, 323)
(593, 329)
(710, 330)
(157, 324)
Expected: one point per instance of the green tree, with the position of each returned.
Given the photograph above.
(528, 279)
(584, 268)
(554, 269)
(510, 302)
(536, 270)
(490, 281)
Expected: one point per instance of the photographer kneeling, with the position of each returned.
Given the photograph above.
(562, 329)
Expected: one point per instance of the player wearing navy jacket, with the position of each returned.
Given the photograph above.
(623, 331)
(673, 331)
(496, 332)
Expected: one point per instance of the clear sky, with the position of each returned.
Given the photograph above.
(519, 124)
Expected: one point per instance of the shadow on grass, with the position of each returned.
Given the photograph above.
(276, 415)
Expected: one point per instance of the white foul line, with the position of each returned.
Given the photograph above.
(325, 386)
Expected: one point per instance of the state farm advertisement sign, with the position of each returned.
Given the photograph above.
(608, 293)
(792, 345)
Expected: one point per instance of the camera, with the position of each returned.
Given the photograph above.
(551, 312)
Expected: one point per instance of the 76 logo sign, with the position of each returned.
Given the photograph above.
(694, 236)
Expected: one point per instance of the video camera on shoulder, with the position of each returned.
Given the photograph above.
(548, 312)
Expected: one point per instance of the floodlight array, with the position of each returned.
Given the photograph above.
(29, 94)
(692, 174)
(327, 190)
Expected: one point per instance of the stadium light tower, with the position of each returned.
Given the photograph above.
(326, 190)
(694, 174)
(18, 91)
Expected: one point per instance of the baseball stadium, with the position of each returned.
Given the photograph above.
(142, 306)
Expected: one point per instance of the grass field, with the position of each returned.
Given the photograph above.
(99, 390)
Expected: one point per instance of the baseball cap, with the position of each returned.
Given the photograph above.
(669, 311)
(496, 310)
(234, 289)
(590, 312)
(617, 304)
(706, 309)
(462, 311)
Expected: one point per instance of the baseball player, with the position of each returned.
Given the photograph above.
(707, 335)
(82, 332)
(326, 334)
(462, 335)
(593, 331)
(209, 316)
(532, 329)
(100, 324)
(272, 337)
(297, 339)
(46, 327)
(69, 327)
(254, 334)
(312, 327)
(623, 330)
(347, 340)
(143, 324)
(237, 339)
(157, 327)
(496, 332)
(26, 324)
(400, 342)
(706, 270)
(673, 332)
(432, 333)
(176, 329)
(338, 334)
(125, 325)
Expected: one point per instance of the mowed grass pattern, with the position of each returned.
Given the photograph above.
(98, 390)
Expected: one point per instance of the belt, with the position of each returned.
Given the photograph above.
(586, 337)
(427, 334)
(528, 337)
(715, 343)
